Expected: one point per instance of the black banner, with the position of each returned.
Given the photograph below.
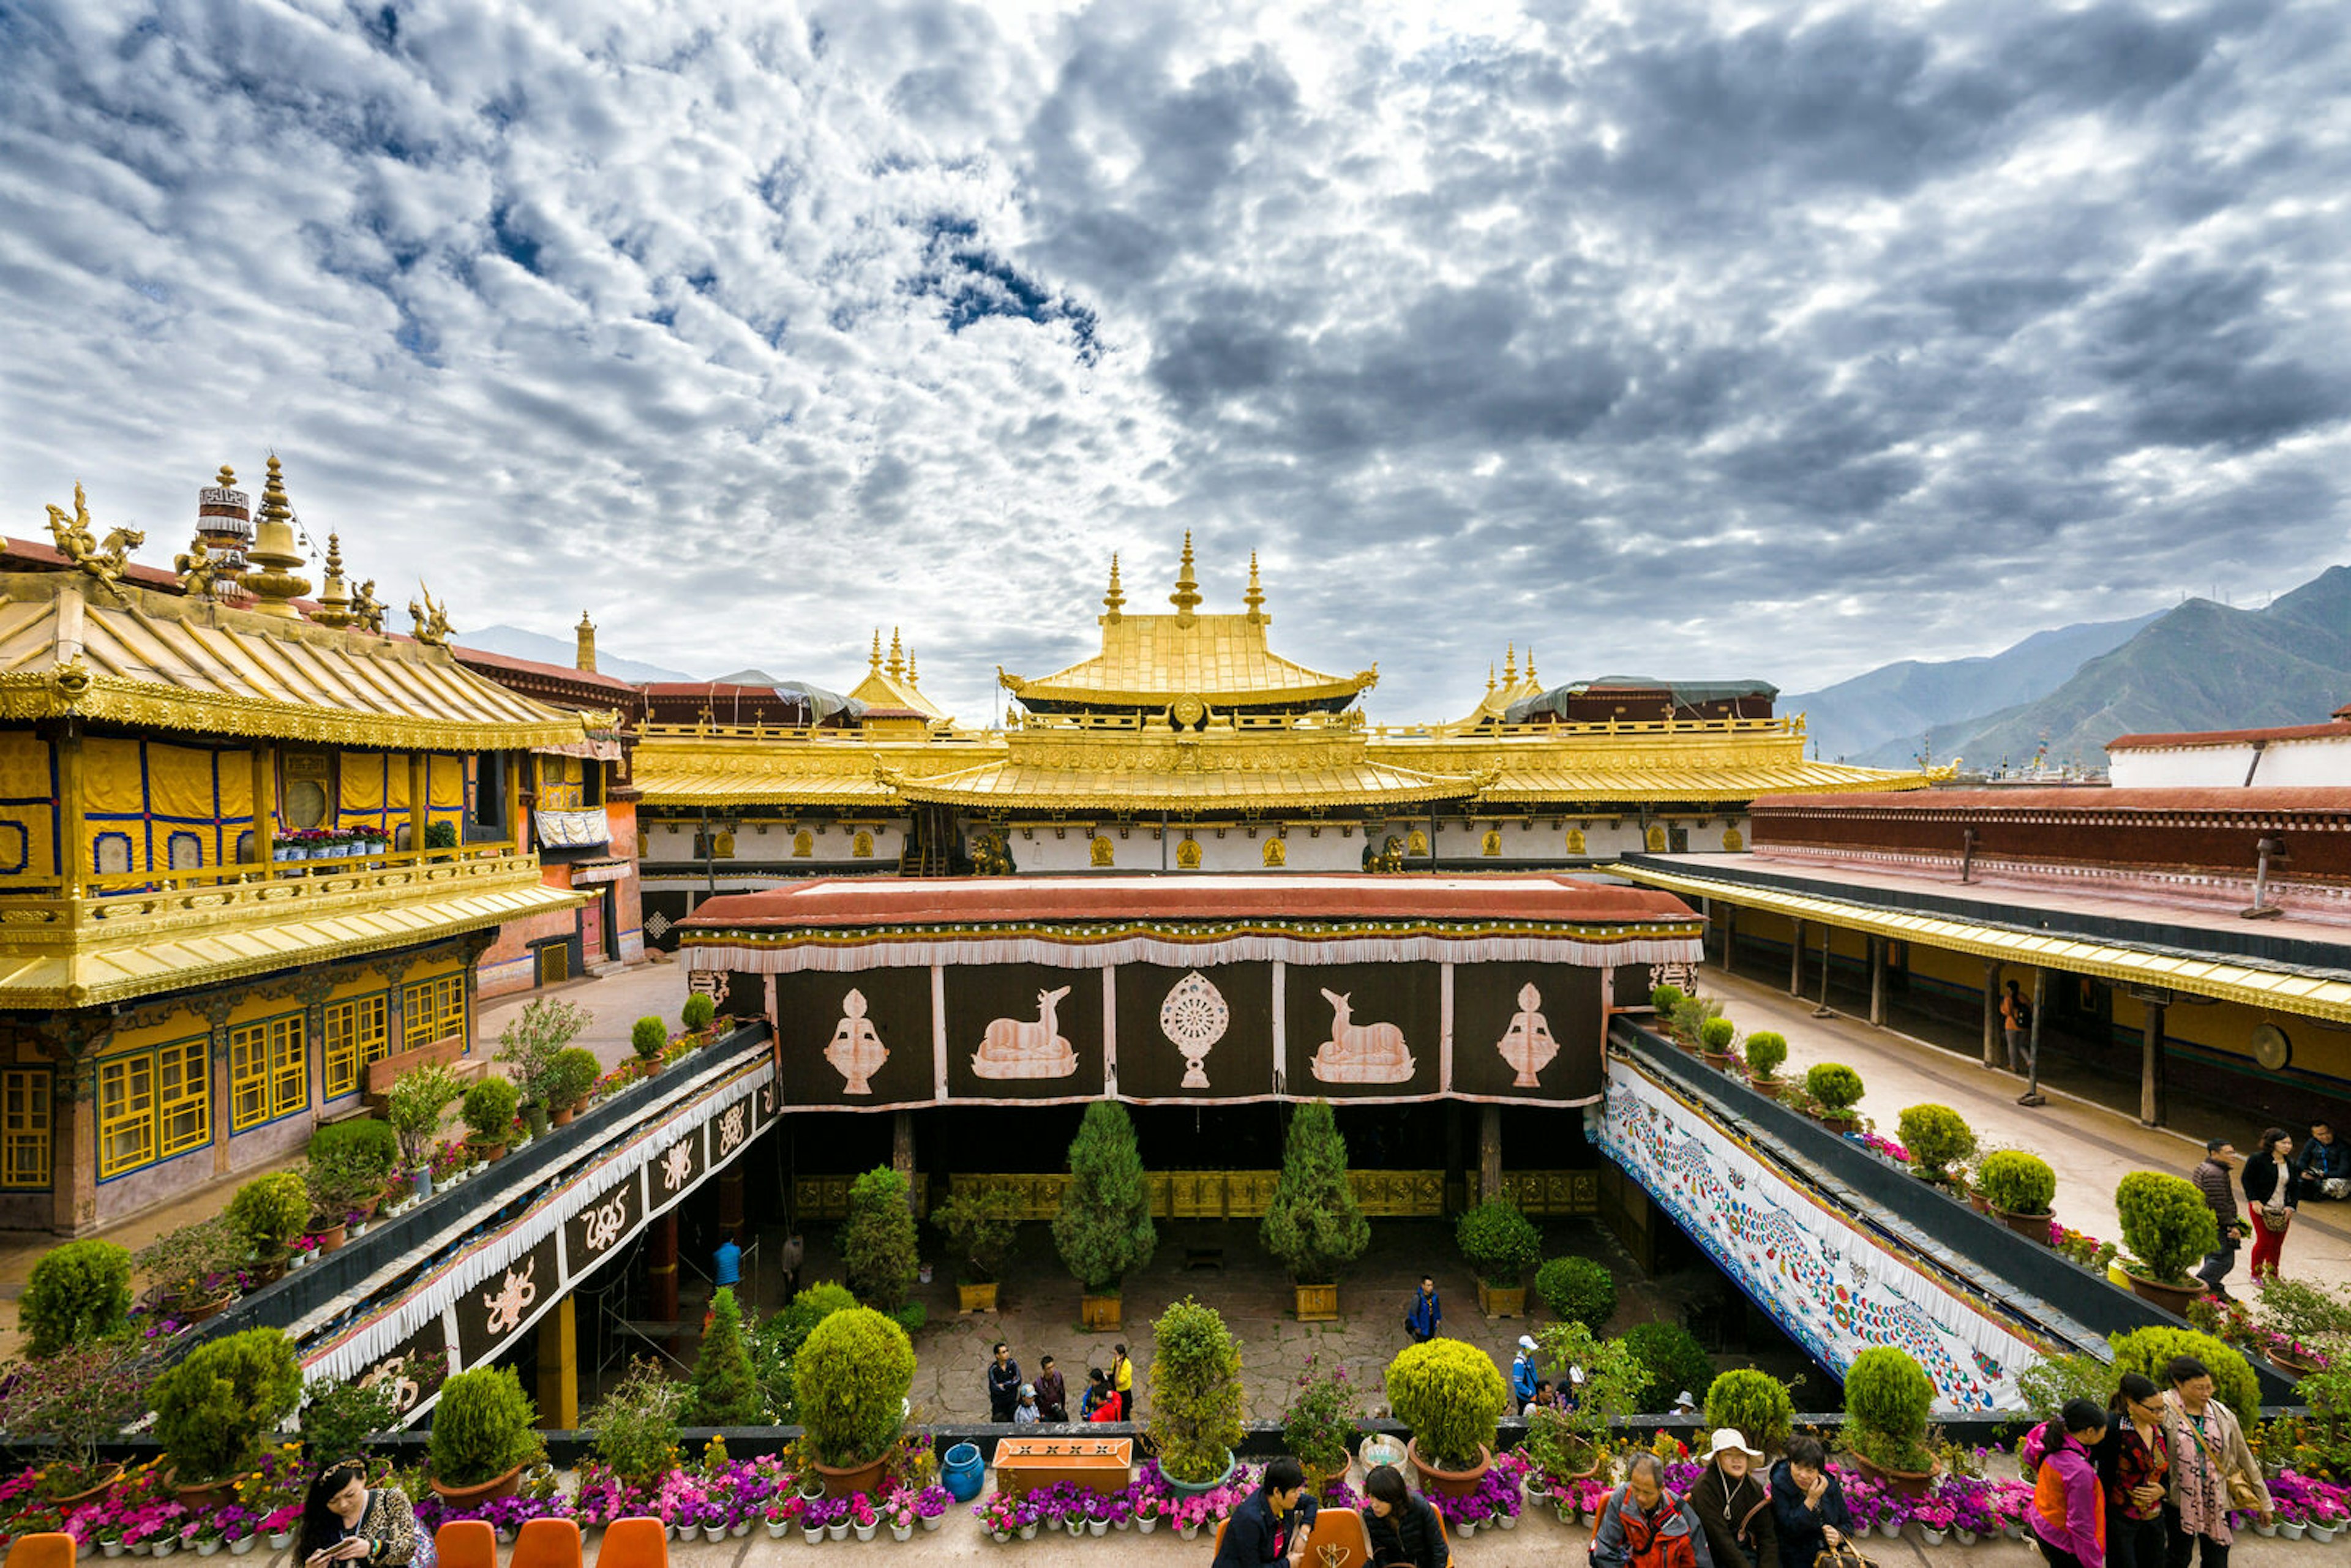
(676, 1168)
(412, 1372)
(856, 1040)
(602, 1226)
(490, 1314)
(1526, 1031)
(1024, 1031)
(1358, 1031)
(1195, 1034)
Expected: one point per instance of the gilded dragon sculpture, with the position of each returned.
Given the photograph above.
(78, 542)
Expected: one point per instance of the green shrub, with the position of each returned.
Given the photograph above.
(725, 1392)
(490, 1110)
(1937, 1137)
(268, 1212)
(852, 1375)
(194, 1263)
(78, 1293)
(2167, 1224)
(981, 1226)
(777, 1341)
(533, 1037)
(1567, 1442)
(1499, 1243)
(1452, 1396)
(370, 1146)
(340, 1414)
(484, 1426)
(1766, 1050)
(2019, 1183)
(648, 1037)
(574, 1075)
(2052, 1380)
(698, 1012)
(1578, 1290)
(1715, 1034)
(420, 1097)
(911, 1316)
(64, 1403)
(1664, 998)
(1313, 1223)
(1671, 1361)
(2150, 1352)
(1196, 1392)
(877, 1241)
(1693, 1013)
(441, 834)
(1103, 1231)
(212, 1410)
(636, 1425)
(1754, 1404)
(1888, 1399)
(1837, 1086)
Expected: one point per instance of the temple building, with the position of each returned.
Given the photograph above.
(251, 846)
(1188, 745)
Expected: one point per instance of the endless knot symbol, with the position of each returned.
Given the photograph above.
(605, 1224)
(395, 1371)
(508, 1303)
(730, 1128)
(677, 1164)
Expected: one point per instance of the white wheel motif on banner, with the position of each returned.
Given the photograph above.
(1194, 1018)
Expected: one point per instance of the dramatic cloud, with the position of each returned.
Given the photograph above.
(1673, 339)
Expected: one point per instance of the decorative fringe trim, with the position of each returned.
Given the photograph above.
(1246, 950)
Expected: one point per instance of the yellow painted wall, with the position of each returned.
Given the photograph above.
(28, 834)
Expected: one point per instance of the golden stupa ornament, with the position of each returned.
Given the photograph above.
(334, 599)
(432, 620)
(1114, 601)
(897, 655)
(78, 542)
(1186, 597)
(1255, 597)
(276, 587)
(874, 660)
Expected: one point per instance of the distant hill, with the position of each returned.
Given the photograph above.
(1878, 717)
(517, 643)
(2200, 666)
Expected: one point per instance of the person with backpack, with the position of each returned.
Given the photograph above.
(1427, 1314)
(1643, 1525)
(1522, 1373)
(2069, 1505)
(2016, 1026)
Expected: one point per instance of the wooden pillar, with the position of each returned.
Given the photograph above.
(420, 799)
(265, 803)
(2153, 1109)
(558, 1368)
(73, 1148)
(1796, 962)
(1730, 937)
(901, 1153)
(1453, 1146)
(661, 1266)
(1991, 1057)
(73, 823)
(1489, 1153)
(516, 832)
(1878, 982)
(730, 1203)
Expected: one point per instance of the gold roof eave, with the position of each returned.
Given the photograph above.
(1568, 783)
(1015, 786)
(140, 707)
(1149, 661)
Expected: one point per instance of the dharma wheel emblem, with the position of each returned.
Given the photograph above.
(1194, 1018)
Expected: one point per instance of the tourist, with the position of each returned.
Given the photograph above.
(1025, 1413)
(1003, 1383)
(1100, 1403)
(2213, 1472)
(2323, 1168)
(1685, 1403)
(1426, 1316)
(2132, 1461)
(787, 1257)
(1273, 1524)
(1405, 1531)
(344, 1520)
(1121, 1382)
(2267, 1181)
(1643, 1525)
(1733, 1507)
(1052, 1399)
(2068, 1516)
(2211, 1180)
(2016, 1028)
(1570, 1394)
(1544, 1399)
(1807, 1503)
(1522, 1372)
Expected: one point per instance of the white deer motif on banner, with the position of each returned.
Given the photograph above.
(508, 1303)
(1360, 1053)
(1014, 1048)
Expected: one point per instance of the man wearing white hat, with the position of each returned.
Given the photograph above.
(1522, 1373)
(1734, 1507)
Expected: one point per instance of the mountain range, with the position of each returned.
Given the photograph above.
(2200, 665)
(517, 643)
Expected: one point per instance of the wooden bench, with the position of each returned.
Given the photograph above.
(382, 1073)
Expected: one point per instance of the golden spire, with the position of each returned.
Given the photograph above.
(227, 480)
(1531, 678)
(583, 656)
(274, 589)
(1511, 665)
(335, 601)
(874, 660)
(1114, 599)
(911, 677)
(1489, 674)
(898, 657)
(1255, 597)
(1186, 597)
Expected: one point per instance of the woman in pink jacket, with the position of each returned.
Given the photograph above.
(2069, 1505)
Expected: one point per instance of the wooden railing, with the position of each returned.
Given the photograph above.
(243, 873)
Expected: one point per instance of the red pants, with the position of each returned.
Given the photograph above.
(2267, 1244)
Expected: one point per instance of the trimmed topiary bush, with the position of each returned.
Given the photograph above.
(1196, 1392)
(1766, 1050)
(1452, 1396)
(1716, 1035)
(1754, 1404)
(1888, 1399)
(212, 1410)
(852, 1376)
(2167, 1224)
(573, 1076)
(2150, 1352)
(1313, 1223)
(1665, 999)
(878, 1241)
(1579, 1291)
(81, 1291)
(362, 1144)
(269, 1211)
(2019, 1183)
(725, 1393)
(489, 1110)
(1498, 1242)
(698, 1012)
(1103, 1231)
(1834, 1085)
(484, 1426)
(776, 1343)
(1671, 1361)
(648, 1037)
(1937, 1137)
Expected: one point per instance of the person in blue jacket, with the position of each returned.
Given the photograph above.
(1807, 1502)
(1427, 1314)
(1273, 1524)
(1522, 1373)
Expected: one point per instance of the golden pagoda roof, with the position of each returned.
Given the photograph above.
(891, 685)
(1513, 688)
(790, 768)
(1675, 759)
(1151, 662)
(159, 661)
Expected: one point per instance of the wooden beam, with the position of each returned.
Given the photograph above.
(264, 802)
(73, 806)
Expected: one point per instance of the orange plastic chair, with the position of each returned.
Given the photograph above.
(466, 1543)
(634, 1544)
(1340, 1527)
(49, 1548)
(546, 1544)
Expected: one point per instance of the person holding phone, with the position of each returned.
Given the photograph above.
(345, 1521)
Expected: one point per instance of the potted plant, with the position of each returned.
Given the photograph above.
(1500, 1245)
(1196, 1394)
(1837, 1089)
(1766, 1050)
(1570, 1442)
(1888, 1399)
(1452, 1396)
(878, 1240)
(419, 1099)
(2168, 1227)
(266, 1216)
(852, 1377)
(571, 1081)
(1754, 1404)
(1663, 999)
(2018, 1188)
(649, 1037)
(1103, 1231)
(1313, 1223)
(981, 1227)
(213, 1407)
(529, 1044)
(1578, 1290)
(78, 1293)
(484, 1433)
(1937, 1138)
(489, 1112)
(193, 1268)
(1714, 1040)
(366, 1150)
(1318, 1427)
(64, 1403)
(636, 1425)
(698, 1014)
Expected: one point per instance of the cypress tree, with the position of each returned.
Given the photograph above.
(725, 1393)
(878, 1241)
(1313, 1223)
(1103, 1231)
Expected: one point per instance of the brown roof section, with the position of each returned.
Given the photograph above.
(2339, 730)
(20, 553)
(2103, 800)
(481, 659)
(1026, 900)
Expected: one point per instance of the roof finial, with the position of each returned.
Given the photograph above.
(334, 601)
(1531, 678)
(583, 637)
(897, 655)
(1114, 601)
(874, 660)
(1511, 665)
(1255, 597)
(911, 677)
(273, 547)
(1186, 597)
(1489, 674)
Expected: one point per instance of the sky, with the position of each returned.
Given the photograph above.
(1679, 340)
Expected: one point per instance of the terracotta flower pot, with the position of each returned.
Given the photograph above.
(96, 1494)
(1767, 1087)
(1449, 1484)
(1840, 1123)
(487, 1153)
(562, 1116)
(864, 1478)
(1911, 1484)
(492, 1491)
(1725, 1060)
(2173, 1299)
(212, 1494)
(2035, 1227)
(330, 1237)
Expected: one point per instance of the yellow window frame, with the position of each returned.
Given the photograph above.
(183, 1099)
(153, 1105)
(24, 1130)
(357, 1033)
(433, 1009)
(269, 1070)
